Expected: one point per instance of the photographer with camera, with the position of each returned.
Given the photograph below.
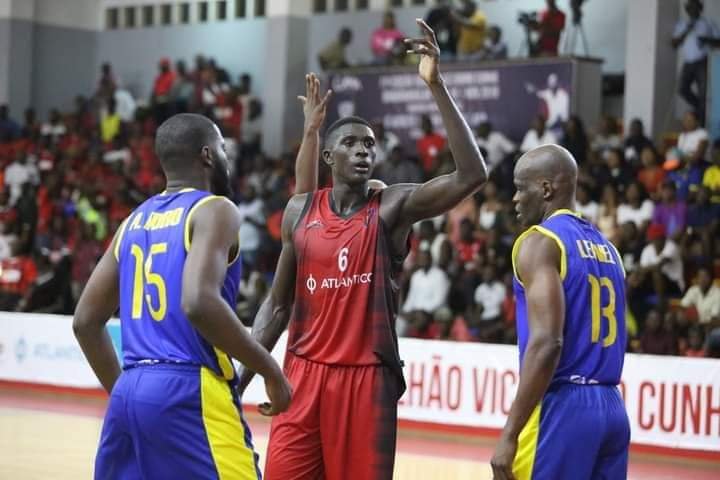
(549, 27)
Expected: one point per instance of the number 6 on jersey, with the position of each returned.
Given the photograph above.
(343, 259)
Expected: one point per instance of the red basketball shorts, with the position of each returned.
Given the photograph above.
(341, 424)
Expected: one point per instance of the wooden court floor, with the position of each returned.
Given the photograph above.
(53, 437)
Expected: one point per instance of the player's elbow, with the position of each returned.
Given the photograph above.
(81, 325)
(194, 304)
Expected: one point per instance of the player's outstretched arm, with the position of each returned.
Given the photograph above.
(314, 109)
(97, 304)
(444, 192)
(274, 313)
(214, 237)
(538, 265)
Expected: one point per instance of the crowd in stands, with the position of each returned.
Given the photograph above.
(69, 180)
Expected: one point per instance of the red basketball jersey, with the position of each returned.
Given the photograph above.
(345, 293)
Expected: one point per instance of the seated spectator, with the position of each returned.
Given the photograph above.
(17, 274)
(703, 219)
(630, 244)
(619, 172)
(110, 123)
(384, 38)
(429, 145)
(537, 135)
(635, 142)
(607, 213)
(85, 256)
(693, 141)
(489, 298)
(670, 212)
(436, 241)
(575, 139)
(54, 127)
(399, 168)
(607, 136)
(473, 24)
(655, 340)
(429, 287)
(385, 141)
(50, 291)
(704, 297)
(636, 208)
(651, 175)
(497, 145)
(440, 19)
(491, 207)
(661, 263)
(495, 47)
(334, 55)
(695, 346)
(468, 245)
(585, 206)
(9, 128)
(711, 178)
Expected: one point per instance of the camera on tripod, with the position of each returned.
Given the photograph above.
(527, 18)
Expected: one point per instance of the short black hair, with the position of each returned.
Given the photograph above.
(344, 121)
(182, 137)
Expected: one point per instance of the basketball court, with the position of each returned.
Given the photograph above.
(53, 435)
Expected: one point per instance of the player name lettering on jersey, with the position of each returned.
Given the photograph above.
(595, 251)
(157, 221)
(340, 282)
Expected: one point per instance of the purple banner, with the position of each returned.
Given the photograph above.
(507, 95)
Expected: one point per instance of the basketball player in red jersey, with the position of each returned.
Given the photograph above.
(336, 280)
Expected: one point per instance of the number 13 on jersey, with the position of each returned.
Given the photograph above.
(598, 311)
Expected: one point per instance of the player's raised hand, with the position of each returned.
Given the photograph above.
(502, 460)
(279, 392)
(429, 51)
(314, 105)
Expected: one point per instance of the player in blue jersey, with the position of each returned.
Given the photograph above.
(568, 421)
(173, 271)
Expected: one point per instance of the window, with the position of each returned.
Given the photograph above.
(166, 14)
(130, 17)
(240, 8)
(341, 5)
(148, 12)
(259, 8)
(320, 6)
(361, 4)
(221, 10)
(184, 13)
(396, 3)
(203, 11)
(112, 18)
(418, 2)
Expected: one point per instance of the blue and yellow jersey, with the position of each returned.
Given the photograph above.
(594, 335)
(151, 249)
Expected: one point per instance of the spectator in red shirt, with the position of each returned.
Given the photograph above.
(429, 145)
(469, 245)
(86, 254)
(161, 98)
(18, 273)
(695, 343)
(550, 26)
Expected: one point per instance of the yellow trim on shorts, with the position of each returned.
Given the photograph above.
(527, 447)
(225, 431)
(226, 366)
(118, 239)
(548, 233)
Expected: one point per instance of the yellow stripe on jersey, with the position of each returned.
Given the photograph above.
(566, 211)
(118, 239)
(527, 447)
(190, 214)
(619, 257)
(547, 233)
(237, 253)
(225, 430)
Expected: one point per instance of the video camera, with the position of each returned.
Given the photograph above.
(527, 18)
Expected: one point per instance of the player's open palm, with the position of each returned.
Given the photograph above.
(314, 104)
(429, 51)
(279, 392)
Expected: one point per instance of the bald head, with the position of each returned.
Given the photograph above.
(545, 178)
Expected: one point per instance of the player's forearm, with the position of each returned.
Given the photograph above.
(469, 162)
(217, 323)
(97, 348)
(541, 359)
(306, 165)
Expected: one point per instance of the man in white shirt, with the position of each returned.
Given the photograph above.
(19, 172)
(497, 145)
(662, 261)
(694, 35)
(429, 287)
(537, 135)
(557, 101)
(252, 215)
(693, 141)
(705, 297)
